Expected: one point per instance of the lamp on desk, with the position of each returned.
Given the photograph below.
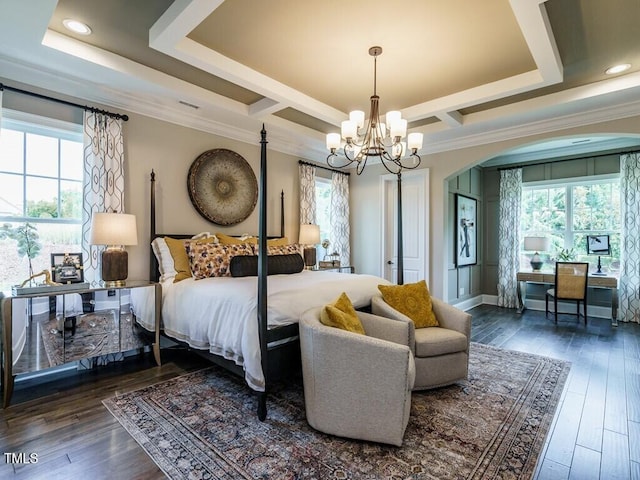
(309, 237)
(115, 230)
(536, 244)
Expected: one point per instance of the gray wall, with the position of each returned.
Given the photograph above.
(465, 282)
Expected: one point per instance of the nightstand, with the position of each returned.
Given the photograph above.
(46, 329)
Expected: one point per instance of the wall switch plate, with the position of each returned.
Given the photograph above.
(461, 290)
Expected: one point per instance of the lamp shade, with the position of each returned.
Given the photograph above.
(309, 234)
(536, 244)
(113, 229)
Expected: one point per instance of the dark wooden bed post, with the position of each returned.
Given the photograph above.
(153, 266)
(262, 273)
(282, 214)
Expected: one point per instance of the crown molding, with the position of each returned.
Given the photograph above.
(294, 140)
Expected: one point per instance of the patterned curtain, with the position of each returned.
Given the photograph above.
(340, 216)
(509, 236)
(103, 191)
(307, 194)
(629, 288)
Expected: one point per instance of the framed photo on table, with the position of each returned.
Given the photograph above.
(466, 231)
(67, 267)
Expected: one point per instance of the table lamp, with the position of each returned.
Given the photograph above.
(536, 244)
(309, 235)
(115, 230)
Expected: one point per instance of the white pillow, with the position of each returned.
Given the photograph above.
(165, 260)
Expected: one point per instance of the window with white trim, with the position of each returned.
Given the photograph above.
(41, 186)
(569, 211)
(323, 213)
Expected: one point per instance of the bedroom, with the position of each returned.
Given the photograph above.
(169, 147)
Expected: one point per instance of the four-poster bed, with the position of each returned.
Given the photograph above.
(248, 323)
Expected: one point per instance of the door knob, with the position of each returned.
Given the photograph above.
(389, 262)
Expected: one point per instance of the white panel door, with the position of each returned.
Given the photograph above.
(415, 225)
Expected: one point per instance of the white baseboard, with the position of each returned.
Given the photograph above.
(564, 307)
(470, 303)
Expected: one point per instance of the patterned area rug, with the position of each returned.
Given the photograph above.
(204, 425)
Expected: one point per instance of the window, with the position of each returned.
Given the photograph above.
(40, 186)
(569, 212)
(323, 212)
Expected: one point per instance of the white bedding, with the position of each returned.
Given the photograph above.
(220, 314)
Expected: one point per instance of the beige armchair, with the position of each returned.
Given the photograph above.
(441, 353)
(357, 386)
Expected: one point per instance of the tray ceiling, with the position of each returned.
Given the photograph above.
(463, 72)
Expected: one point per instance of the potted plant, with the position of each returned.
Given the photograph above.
(26, 235)
(566, 255)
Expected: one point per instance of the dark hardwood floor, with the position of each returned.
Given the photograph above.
(596, 430)
(595, 433)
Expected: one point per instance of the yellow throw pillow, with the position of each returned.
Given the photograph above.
(180, 257)
(278, 242)
(341, 314)
(229, 240)
(413, 300)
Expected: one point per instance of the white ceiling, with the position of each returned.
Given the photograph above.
(463, 72)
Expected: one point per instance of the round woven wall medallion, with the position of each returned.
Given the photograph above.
(222, 186)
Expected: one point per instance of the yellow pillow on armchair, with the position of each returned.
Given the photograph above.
(341, 314)
(412, 300)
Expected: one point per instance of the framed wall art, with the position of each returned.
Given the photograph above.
(67, 267)
(466, 232)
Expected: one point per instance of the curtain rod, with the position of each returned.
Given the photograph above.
(546, 162)
(64, 102)
(302, 162)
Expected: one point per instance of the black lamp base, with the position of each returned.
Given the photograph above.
(309, 255)
(536, 266)
(115, 267)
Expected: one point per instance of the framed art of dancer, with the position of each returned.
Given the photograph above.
(466, 233)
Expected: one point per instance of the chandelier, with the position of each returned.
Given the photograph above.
(377, 139)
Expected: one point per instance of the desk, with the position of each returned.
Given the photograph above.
(597, 281)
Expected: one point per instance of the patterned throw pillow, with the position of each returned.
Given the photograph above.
(213, 260)
(178, 249)
(341, 314)
(412, 300)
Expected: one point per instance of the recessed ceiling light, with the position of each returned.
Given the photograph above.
(623, 67)
(76, 26)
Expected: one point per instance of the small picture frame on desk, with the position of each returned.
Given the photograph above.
(67, 268)
(466, 233)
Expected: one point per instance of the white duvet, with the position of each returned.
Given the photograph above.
(220, 314)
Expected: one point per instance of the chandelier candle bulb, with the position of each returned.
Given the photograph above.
(392, 117)
(398, 128)
(349, 129)
(333, 141)
(415, 141)
(357, 117)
